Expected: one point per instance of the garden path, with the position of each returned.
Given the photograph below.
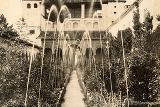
(73, 96)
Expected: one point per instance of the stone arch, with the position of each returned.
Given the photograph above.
(99, 55)
(47, 56)
(58, 53)
(99, 51)
(88, 52)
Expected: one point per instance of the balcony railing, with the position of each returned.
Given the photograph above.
(76, 24)
(83, 1)
(116, 1)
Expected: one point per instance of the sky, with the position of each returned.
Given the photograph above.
(11, 10)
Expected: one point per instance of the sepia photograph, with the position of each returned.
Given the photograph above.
(79, 53)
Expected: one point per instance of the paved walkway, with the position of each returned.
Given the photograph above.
(73, 96)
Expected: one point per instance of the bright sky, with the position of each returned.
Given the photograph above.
(11, 10)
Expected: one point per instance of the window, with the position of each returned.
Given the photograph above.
(32, 31)
(115, 12)
(35, 5)
(127, 6)
(68, 25)
(115, 6)
(75, 25)
(99, 16)
(112, 21)
(89, 25)
(28, 5)
(95, 25)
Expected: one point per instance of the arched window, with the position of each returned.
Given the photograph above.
(75, 25)
(99, 55)
(89, 25)
(28, 5)
(35, 5)
(58, 54)
(95, 25)
(69, 24)
(89, 52)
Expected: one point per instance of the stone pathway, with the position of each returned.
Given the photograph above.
(73, 96)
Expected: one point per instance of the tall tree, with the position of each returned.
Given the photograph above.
(143, 64)
(6, 30)
(143, 76)
(137, 28)
(127, 38)
(147, 31)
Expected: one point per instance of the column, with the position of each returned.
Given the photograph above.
(82, 10)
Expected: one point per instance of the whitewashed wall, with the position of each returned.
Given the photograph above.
(32, 15)
(108, 11)
(152, 6)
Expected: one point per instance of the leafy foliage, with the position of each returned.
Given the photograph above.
(147, 32)
(6, 31)
(127, 38)
(137, 28)
(142, 63)
(14, 67)
(154, 41)
(143, 76)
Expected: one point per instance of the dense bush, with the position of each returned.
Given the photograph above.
(14, 67)
(13, 77)
(144, 76)
(142, 63)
